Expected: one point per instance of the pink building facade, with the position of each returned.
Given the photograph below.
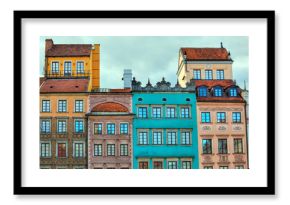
(110, 129)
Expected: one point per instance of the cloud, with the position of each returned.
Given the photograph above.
(152, 57)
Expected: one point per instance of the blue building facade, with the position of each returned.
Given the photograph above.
(164, 127)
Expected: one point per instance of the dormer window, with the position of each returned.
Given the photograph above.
(218, 92)
(233, 92)
(202, 91)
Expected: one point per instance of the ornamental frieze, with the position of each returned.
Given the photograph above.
(219, 109)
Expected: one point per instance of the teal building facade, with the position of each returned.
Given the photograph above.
(165, 126)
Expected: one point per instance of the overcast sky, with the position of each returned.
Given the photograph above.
(152, 57)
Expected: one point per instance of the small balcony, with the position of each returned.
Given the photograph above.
(66, 74)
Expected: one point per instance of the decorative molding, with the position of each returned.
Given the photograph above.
(219, 109)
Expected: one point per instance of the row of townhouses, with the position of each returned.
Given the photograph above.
(198, 122)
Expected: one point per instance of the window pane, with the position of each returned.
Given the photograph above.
(45, 126)
(236, 117)
(172, 164)
(111, 150)
(80, 67)
(110, 128)
(206, 146)
(238, 146)
(79, 126)
(202, 92)
(156, 112)
(61, 126)
(79, 150)
(171, 138)
(46, 106)
(170, 112)
(142, 112)
(123, 150)
(98, 128)
(97, 150)
(185, 112)
(208, 74)
(185, 138)
(124, 128)
(205, 117)
(221, 117)
(62, 106)
(45, 150)
(186, 165)
(222, 146)
(196, 74)
(143, 165)
(218, 92)
(220, 74)
(143, 138)
(157, 138)
(78, 106)
(157, 165)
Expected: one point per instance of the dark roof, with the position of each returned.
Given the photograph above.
(206, 54)
(41, 80)
(62, 50)
(110, 107)
(64, 85)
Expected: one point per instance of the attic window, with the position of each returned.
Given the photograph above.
(76, 86)
(164, 99)
(51, 86)
(187, 99)
(140, 99)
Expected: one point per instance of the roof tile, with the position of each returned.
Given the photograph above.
(206, 54)
(64, 85)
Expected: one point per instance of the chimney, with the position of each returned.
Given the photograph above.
(48, 44)
(127, 78)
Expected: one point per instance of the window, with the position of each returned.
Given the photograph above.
(143, 165)
(61, 149)
(61, 126)
(79, 149)
(157, 138)
(98, 127)
(142, 112)
(172, 164)
(238, 146)
(223, 146)
(67, 68)
(202, 91)
(218, 92)
(224, 167)
(206, 146)
(184, 112)
(170, 112)
(185, 138)
(186, 165)
(62, 106)
(221, 117)
(45, 149)
(220, 74)
(140, 99)
(196, 74)
(110, 128)
(79, 106)
(123, 150)
(46, 106)
(157, 165)
(171, 138)
(110, 150)
(156, 112)
(233, 92)
(123, 128)
(143, 138)
(45, 126)
(239, 167)
(98, 150)
(208, 74)
(208, 167)
(236, 117)
(205, 117)
(80, 67)
(54, 67)
(79, 126)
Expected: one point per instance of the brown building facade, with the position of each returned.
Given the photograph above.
(222, 126)
(110, 129)
(63, 124)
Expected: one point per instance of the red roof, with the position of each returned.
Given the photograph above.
(212, 83)
(110, 107)
(69, 50)
(64, 85)
(206, 54)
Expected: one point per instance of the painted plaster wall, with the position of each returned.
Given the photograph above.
(164, 151)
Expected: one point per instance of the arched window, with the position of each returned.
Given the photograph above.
(218, 92)
(233, 92)
(202, 91)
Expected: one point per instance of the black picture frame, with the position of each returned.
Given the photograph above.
(268, 190)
